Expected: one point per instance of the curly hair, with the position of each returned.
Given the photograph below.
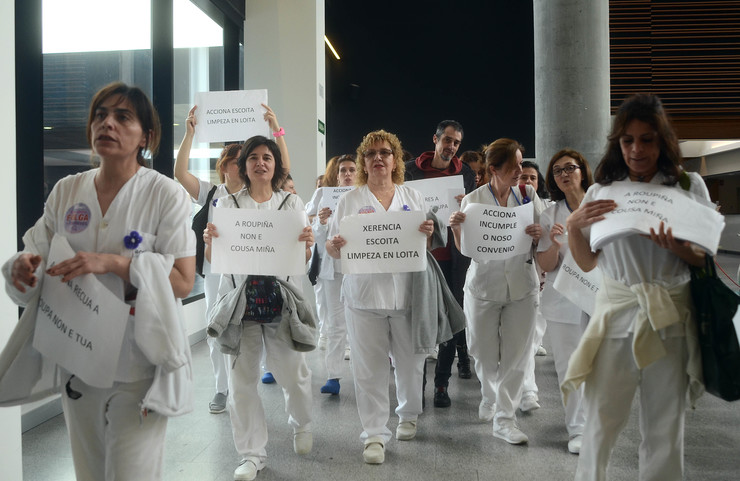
(375, 137)
(586, 177)
(252, 143)
(228, 153)
(649, 109)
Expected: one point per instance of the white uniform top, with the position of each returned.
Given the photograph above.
(376, 291)
(328, 265)
(245, 201)
(636, 259)
(148, 203)
(511, 279)
(553, 305)
(203, 188)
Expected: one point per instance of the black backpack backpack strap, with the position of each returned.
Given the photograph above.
(200, 219)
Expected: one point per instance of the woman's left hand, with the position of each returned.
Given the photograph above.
(83, 263)
(534, 231)
(682, 249)
(307, 237)
(271, 118)
(427, 227)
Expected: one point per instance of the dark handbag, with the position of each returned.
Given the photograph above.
(313, 270)
(264, 300)
(200, 219)
(716, 305)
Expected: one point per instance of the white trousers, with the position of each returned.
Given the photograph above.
(499, 336)
(110, 439)
(218, 359)
(319, 291)
(563, 341)
(609, 390)
(373, 336)
(540, 324)
(291, 372)
(336, 328)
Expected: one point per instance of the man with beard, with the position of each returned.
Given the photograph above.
(437, 163)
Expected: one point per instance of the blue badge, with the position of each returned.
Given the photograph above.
(77, 218)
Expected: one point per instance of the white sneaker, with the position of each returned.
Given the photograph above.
(323, 341)
(529, 403)
(374, 451)
(303, 442)
(574, 445)
(541, 351)
(510, 433)
(346, 353)
(406, 430)
(486, 410)
(248, 470)
(433, 355)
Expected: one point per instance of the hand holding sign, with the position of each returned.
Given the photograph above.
(22, 272)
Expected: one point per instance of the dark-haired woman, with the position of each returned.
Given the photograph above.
(198, 189)
(646, 281)
(260, 168)
(121, 219)
(568, 178)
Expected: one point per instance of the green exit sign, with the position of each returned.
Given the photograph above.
(322, 127)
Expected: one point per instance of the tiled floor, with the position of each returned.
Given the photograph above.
(451, 443)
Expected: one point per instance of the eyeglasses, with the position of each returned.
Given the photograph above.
(568, 169)
(384, 153)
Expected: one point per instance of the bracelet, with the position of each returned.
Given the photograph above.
(279, 133)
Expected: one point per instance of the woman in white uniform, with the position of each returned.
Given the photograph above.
(331, 279)
(568, 178)
(377, 306)
(642, 147)
(199, 189)
(500, 298)
(259, 166)
(110, 216)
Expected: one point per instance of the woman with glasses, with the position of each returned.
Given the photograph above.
(500, 297)
(568, 179)
(377, 306)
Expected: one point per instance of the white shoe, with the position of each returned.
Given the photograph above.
(541, 351)
(510, 433)
(485, 411)
(529, 403)
(433, 355)
(303, 442)
(346, 353)
(406, 430)
(574, 445)
(248, 470)
(323, 341)
(374, 451)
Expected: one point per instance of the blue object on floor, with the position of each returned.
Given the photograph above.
(268, 378)
(331, 387)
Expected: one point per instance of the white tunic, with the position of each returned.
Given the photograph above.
(511, 279)
(376, 291)
(150, 204)
(203, 188)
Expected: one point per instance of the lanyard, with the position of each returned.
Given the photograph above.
(496, 200)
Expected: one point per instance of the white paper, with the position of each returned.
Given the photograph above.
(330, 196)
(440, 192)
(383, 242)
(491, 232)
(258, 242)
(641, 206)
(80, 324)
(233, 115)
(577, 286)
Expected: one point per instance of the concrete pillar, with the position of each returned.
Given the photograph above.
(571, 77)
(284, 53)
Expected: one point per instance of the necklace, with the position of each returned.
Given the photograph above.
(568, 205)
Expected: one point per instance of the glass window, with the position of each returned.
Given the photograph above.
(81, 54)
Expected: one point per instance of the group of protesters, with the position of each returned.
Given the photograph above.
(130, 227)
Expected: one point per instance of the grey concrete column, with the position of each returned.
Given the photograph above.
(571, 77)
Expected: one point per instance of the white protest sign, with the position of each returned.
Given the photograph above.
(641, 206)
(577, 286)
(330, 196)
(440, 192)
(258, 242)
(80, 323)
(383, 242)
(234, 115)
(492, 233)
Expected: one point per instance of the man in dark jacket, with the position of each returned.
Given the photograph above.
(438, 163)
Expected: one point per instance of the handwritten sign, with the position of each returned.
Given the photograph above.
(492, 233)
(577, 286)
(231, 115)
(642, 206)
(259, 242)
(330, 196)
(440, 192)
(383, 242)
(80, 323)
